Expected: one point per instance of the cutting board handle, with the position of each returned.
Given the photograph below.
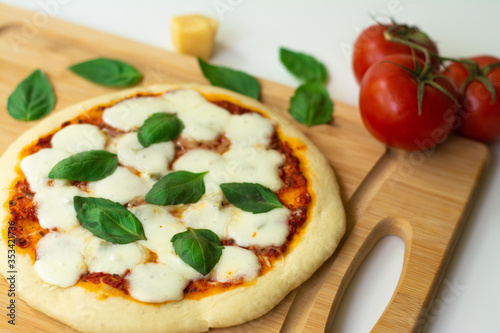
(315, 306)
(385, 204)
(395, 226)
(410, 301)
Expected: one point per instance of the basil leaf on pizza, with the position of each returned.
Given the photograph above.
(303, 66)
(32, 99)
(250, 197)
(180, 187)
(160, 127)
(89, 166)
(311, 104)
(107, 72)
(230, 79)
(108, 220)
(199, 248)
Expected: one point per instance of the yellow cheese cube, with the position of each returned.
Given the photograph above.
(194, 34)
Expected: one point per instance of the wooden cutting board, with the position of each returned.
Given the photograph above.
(421, 197)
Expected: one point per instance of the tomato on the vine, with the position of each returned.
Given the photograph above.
(371, 45)
(390, 109)
(479, 118)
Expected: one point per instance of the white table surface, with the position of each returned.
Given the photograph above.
(248, 39)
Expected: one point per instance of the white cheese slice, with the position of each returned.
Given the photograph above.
(254, 165)
(122, 186)
(201, 160)
(249, 130)
(177, 264)
(208, 214)
(102, 256)
(131, 113)
(183, 99)
(55, 207)
(265, 229)
(81, 233)
(153, 159)
(36, 167)
(79, 137)
(155, 283)
(159, 227)
(112, 144)
(59, 259)
(236, 263)
(204, 122)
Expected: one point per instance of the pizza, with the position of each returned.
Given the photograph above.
(169, 208)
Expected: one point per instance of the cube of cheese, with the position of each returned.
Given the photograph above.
(194, 34)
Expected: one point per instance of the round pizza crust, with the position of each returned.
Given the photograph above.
(84, 311)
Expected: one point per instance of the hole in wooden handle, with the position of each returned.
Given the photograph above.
(388, 226)
(371, 288)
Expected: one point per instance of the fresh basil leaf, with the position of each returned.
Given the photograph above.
(231, 79)
(32, 99)
(88, 166)
(108, 72)
(311, 104)
(180, 187)
(303, 66)
(250, 197)
(160, 127)
(199, 248)
(108, 220)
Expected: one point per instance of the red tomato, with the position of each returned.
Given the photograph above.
(372, 46)
(389, 106)
(479, 119)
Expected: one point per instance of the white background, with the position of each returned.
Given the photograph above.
(249, 37)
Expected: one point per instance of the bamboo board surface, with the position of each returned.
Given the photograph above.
(421, 197)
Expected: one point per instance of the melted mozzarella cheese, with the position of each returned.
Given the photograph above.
(265, 229)
(36, 167)
(102, 256)
(153, 159)
(55, 207)
(201, 160)
(112, 144)
(202, 119)
(122, 186)
(59, 259)
(131, 113)
(81, 233)
(236, 263)
(159, 227)
(173, 261)
(208, 214)
(254, 165)
(155, 283)
(79, 137)
(249, 130)
(183, 99)
(204, 122)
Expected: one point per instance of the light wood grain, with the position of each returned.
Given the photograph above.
(420, 197)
